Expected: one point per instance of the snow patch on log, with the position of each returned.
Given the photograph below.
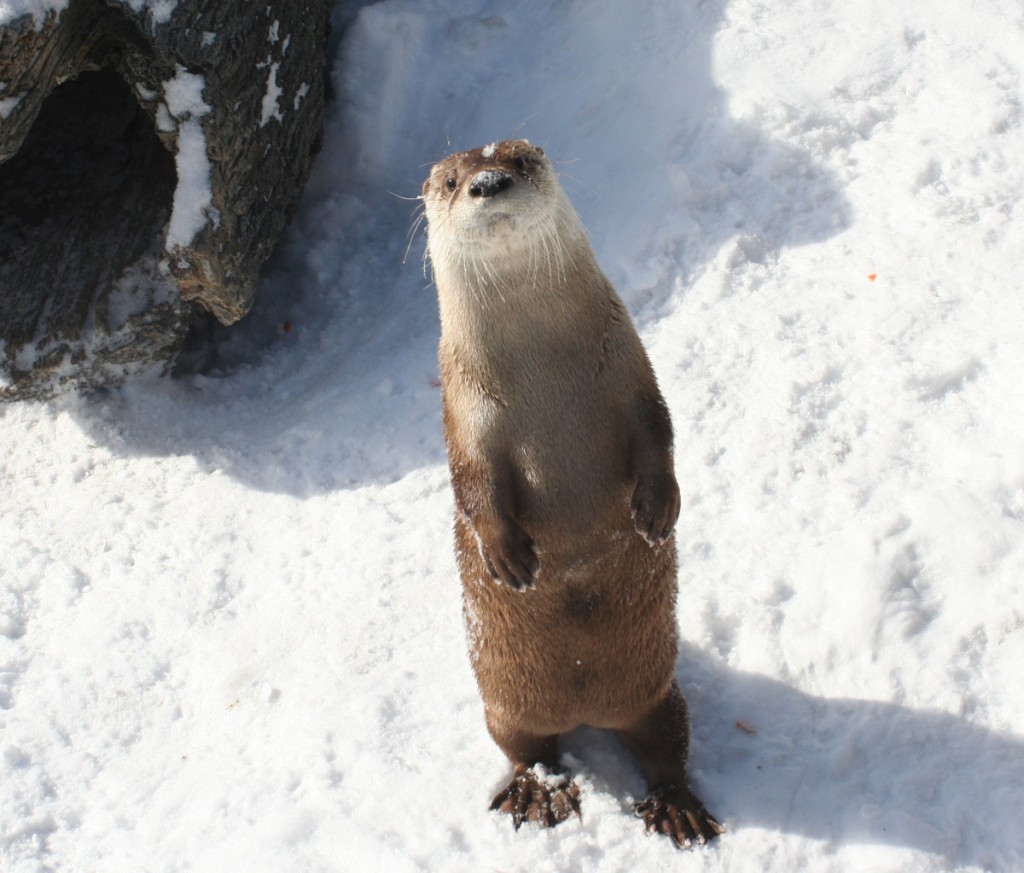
(192, 198)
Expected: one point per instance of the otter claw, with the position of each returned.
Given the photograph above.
(510, 554)
(547, 802)
(679, 815)
(655, 507)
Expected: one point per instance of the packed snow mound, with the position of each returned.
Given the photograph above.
(230, 624)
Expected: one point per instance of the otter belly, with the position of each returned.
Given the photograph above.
(592, 643)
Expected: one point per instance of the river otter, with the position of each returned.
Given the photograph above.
(560, 451)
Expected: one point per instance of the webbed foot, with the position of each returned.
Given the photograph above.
(678, 814)
(548, 800)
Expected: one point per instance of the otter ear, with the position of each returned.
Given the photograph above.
(540, 151)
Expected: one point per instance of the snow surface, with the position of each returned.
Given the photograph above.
(231, 634)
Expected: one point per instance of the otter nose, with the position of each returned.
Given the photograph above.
(488, 183)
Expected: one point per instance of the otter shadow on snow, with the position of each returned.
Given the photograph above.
(838, 770)
(344, 397)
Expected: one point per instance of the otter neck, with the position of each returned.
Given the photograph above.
(482, 302)
(518, 324)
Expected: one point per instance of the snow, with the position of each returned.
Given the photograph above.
(11, 10)
(9, 104)
(192, 207)
(232, 635)
(272, 94)
(270, 108)
(159, 10)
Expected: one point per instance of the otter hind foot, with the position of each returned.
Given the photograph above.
(679, 814)
(546, 799)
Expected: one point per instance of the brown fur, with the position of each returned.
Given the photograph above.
(560, 451)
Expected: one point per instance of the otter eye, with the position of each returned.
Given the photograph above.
(450, 183)
(520, 163)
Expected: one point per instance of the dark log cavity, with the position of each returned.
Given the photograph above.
(91, 179)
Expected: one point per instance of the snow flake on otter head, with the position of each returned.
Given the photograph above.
(488, 150)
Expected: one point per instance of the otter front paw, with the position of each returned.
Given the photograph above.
(655, 506)
(529, 797)
(509, 553)
(678, 814)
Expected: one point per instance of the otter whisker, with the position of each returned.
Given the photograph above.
(403, 196)
(549, 236)
(411, 237)
(555, 274)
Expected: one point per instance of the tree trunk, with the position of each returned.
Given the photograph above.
(148, 163)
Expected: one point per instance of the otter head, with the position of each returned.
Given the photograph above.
(504, 195)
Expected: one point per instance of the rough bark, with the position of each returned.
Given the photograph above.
(105, 248)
